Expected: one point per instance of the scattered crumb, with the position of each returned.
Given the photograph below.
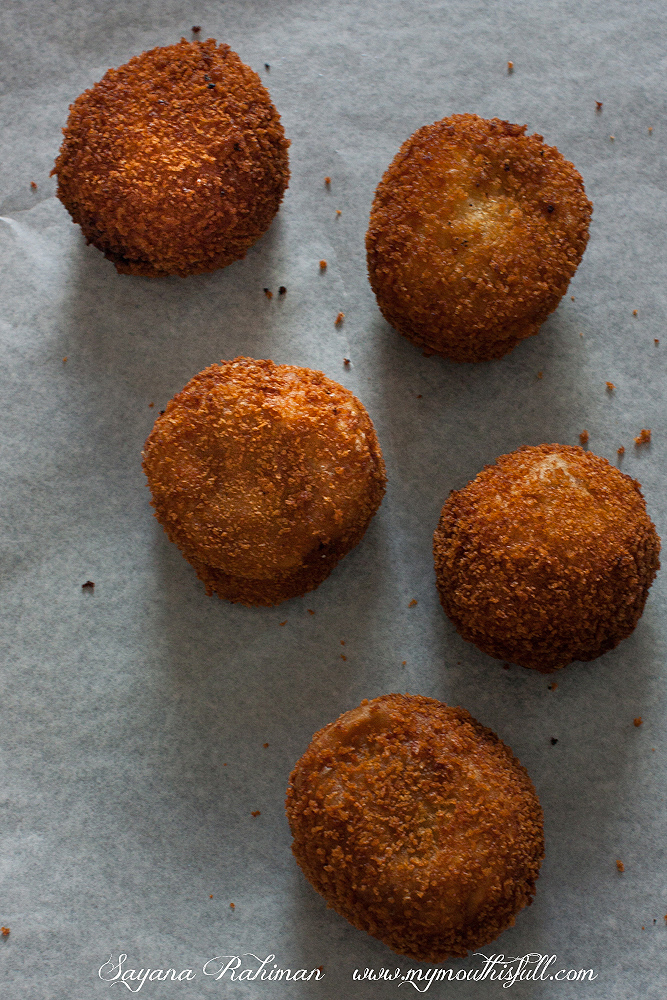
(256, 812)
(343, 657)
(339, 319)
(634, 312)
(5, 930)
(656, 341)
(268, 293)
(638, 721)
(210, 897)
(583, 437)
(552, 686)
(412, 603)
(644, 437)
(346, 361)
(610, 386)
(510, 66)
(643, 928)
(151, 405)
(33, 185)
(403, 662)
(581, 334)
(572, 297)
(620, 451)
(224, 765)
(598, 105)
(265, 745)
(554, 741)
(310, 611)
(320, 968)
(540, 374)
(283, 623)
(650, 128)
(267, 66)
(419, 396)
(620, 866)
(612, 137)
(88, 585)
(231, 906)
(64, 361)
(282, 290)
(196, 28)
(161, 412)
(323, 265)
(327, 181)
(342, 642)
(338, 211)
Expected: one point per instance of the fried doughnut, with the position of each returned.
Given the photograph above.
(546, 557)
(418, 825)
(176, 162)
(265, 476)
(475, 232)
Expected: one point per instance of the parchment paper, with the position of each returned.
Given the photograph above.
(134, 717)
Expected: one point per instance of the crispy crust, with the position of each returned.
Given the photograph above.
(546, 557)
(475, 232)
(174, 163)
(418, 825)
(265, 476)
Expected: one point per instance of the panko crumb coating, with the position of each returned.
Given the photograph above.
(475, 232)
(546, 557)
(176, 162)
(265, 476)
(418, 825)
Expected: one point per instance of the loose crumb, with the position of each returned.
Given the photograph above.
(338, 211)
(634, 312)
(231, 906)
(598, 105)
(88, 585)
(5, 930)
(327, 181)
(620, 866)
(268, 293)
(267, 66)
(33, 185)
(510, 66)
(644, 437)
(282, 290)
(196, 28)
(612, 137)
(403, 662)
(638, 721)
(540, 374)
(224, 765)
(583, 437)
(256, 812)
(323, 265)
(656, 341)
(265, 745)
(210, 897)
(283, 623)
(610, 386)
(339, 319)
(342, 642)
(346, 362)
(161, 412)
(554, 741)
(650, 128)
(420, 396)
(552, 686)
(572, 297)
(151, 405)
(64, 361)
(581, 334)
(310, 611)
(620, 451)
(343, 657)
(412, 603)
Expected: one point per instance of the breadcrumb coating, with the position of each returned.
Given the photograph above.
(418, 825)
(174, 163)
(475, 232)
(546, 557)
(265, 476)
